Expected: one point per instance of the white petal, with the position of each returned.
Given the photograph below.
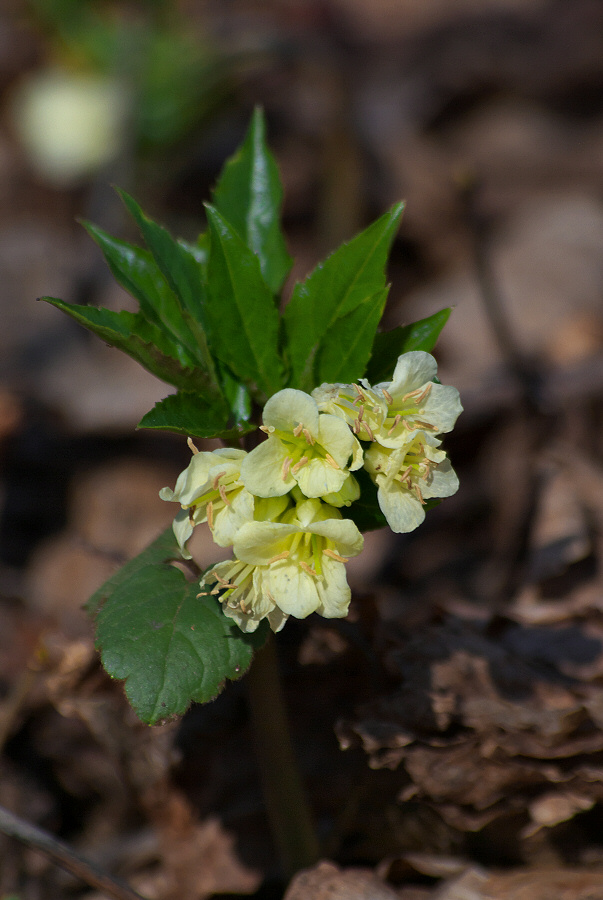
(232, 517)
(344, 534)
(258, 542)
(413, 370)
(192, 480)
(334, 591)
(288, 408)
(182, 530)
(337, 439)
(443, 482)
(442, 407)
(262, 470)
(294, 590)
(402, 509)
(318, 477)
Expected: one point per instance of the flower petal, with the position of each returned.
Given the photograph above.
(294, 590)
(443, 482)
(262, 469)
(403, 510)
(337, 439)
(442, 407)
(232, 517)
(319, 477)
(334, 591)
(288, 408)
(413, 370)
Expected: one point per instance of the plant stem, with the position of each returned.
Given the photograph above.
(286, 801)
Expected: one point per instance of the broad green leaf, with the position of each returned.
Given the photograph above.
(249, 195)
(186, 413)
(164, 549)
(243, 320)
(388, 345)
(144, 342)
(184, 274)
(348, 277)
(171, 646)
(138, 273)
(346, 347)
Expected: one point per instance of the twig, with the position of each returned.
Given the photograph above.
(64, 856)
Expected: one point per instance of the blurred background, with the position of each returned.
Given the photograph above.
(487, 118)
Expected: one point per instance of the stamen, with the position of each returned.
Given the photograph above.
(299, 465)
(223, 582)
(404, 475)
(417, 491)
(243, 607)
(336, 556)
(308, 569)
(397, 421)
(298, 429)
(425, 394)
(387, 396)
(412, 394)
(283, 555)
(286, 466)
(331, 461)
(267, 429)
(209, 511)
(194, 450)
(309, 439)
(361, 414)
(356, 426)
(222, 491)
(216, 480)
(359, 391)
(426, 426)
(369, 431)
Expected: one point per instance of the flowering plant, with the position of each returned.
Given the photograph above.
(343, 449)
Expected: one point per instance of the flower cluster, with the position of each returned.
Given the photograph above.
(278, 505)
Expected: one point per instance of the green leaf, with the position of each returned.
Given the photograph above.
(138, 273)
(243, 319)
(186, 413)
(171, 646)
(144, 342)
(388, 345)
(347, 278)
(347, 346)
(249, 195)
(184, 274)
(164, 549)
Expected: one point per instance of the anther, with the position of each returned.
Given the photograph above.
(298, 429)
(361, 414)
(216, 480)
(267, 429)
(309, 439)
(426, 426)
(369, 431)
(387, 396)
(331, 461)
(397, 421)
(308, 569)
(334, 555)
(222, 491)
(359, 391)
(210, 514)
(286, 466)
(299, 465)
(356, 426)
(283, 555)
(194, 450)
(417, 491)
(425, 394)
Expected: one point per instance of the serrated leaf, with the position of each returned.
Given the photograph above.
(184, 274)
(170, 646)
(249, 195)
(347, 345)
(143, 341)
(186, 413)
(163, 549)
(138, 273)
(243, 319)
(347, 278)
(388, 345)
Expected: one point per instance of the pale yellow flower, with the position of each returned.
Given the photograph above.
(294, 566)
(304, 447)
(210, 490)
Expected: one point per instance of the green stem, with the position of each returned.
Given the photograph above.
(286, 801)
